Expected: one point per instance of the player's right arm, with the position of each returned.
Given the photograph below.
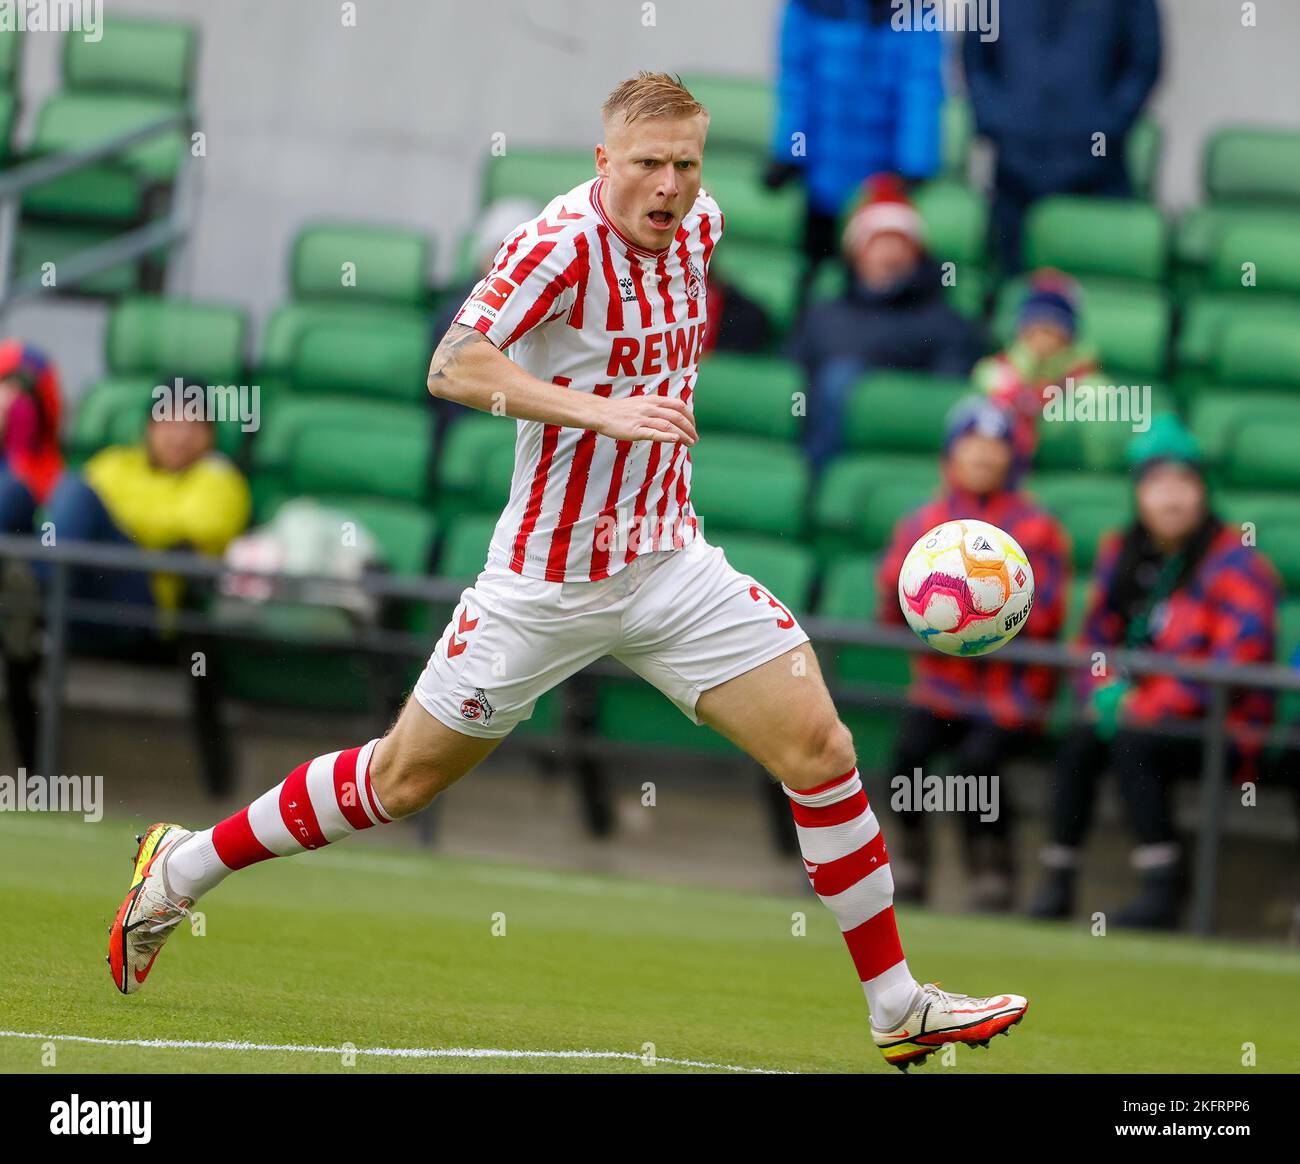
(469, 369)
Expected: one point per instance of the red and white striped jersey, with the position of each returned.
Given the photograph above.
(572, 301)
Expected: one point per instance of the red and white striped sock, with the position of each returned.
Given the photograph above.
(844, 855)
(318, 803)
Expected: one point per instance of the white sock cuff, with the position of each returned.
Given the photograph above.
(832, 792)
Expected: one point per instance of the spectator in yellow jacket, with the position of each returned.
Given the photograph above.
(170, 491)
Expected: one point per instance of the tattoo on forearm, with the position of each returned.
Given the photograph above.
(458, 336)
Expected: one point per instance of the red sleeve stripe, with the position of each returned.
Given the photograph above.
(528, 263)
(614, 313)
(575, 489)
(577, 311)
(542, 304)
(509, 254)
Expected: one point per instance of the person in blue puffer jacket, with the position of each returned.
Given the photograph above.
(855, 97)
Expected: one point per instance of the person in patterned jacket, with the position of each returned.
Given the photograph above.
(1179, 581)
(976, 710)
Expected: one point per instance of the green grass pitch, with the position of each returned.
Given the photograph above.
(377, 948)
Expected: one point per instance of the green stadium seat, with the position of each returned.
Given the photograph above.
(755, 214)
(850, 594)
(1251, 175)
(39, 243)
(136, 73)
(741, 113)
(1216, 417)
(1058, 491)
(285, 418)
(361, 263)
(339, 458)
(956, 223)
(901, 412)
(465, 547)
(133, 56)
(73, 120)
(1257, 354)
(387, 359)
(846, 485)
(1274, 253)
(769, 275)
(536, 174)
(288, 322)
(168, 337)
(1253, 163)
(885, 505)
(1108, 237)
(1261, 453)
(748, 395)
(1210, 315)
(461, 469)
(749, 485)
(1087, 506)
(1142, 156)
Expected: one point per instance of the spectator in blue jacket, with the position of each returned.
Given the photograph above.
(855, 97)
(1059, 73)
(893, 315)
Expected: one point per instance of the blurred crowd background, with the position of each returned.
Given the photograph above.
(927, 234)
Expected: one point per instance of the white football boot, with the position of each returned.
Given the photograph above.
(940, 1018)
(150, 912)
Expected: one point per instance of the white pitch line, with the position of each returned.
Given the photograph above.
(386, 1052)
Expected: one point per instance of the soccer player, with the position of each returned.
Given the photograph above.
(587, 332)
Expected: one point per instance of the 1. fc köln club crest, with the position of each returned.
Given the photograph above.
(694, 280)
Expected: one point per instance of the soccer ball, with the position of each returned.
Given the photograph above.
(966, 587)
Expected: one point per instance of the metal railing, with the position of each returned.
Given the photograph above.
(61, 609)
(133, 244)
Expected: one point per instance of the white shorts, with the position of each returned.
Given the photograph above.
(684, 620)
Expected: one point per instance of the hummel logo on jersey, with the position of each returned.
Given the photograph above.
(627, 289)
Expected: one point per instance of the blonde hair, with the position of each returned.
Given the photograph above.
(649, 95)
